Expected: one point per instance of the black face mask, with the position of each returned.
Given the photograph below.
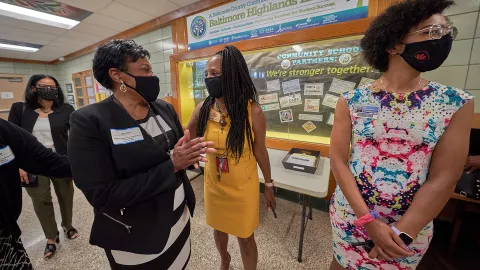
(427, 55)
(214, 86)
(147, 86)
(47, 93)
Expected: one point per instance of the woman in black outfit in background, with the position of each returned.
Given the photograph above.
(46, 115)
(19, 149)
(121, 155)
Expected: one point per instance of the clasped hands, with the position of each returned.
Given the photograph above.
(388, 245)
(189, 152)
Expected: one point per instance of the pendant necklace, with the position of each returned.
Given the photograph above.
(223, 120)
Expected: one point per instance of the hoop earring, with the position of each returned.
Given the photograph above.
(123, 87)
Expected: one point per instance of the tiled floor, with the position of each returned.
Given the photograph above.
(277, 239)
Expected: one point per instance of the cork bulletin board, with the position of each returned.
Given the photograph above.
(12, 89)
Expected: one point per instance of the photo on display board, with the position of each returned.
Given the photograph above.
(304, 82)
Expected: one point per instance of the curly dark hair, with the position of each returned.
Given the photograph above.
(115, 54)
(389, 28)
(238, 90)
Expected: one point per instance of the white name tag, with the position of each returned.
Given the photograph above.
(126, 136)
(6, 155)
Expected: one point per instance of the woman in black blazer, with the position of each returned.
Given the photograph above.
(121, 156)
(46, 115)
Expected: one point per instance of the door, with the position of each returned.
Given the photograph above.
(12, 89)
(84, 88)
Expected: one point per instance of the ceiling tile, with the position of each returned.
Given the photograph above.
(82, 36)
(27, 33)
(57, 47)
(93, 30)
(23, 39)
(14, 54)
(152, 7)
(72, 41)
(21, 24)
(67, 47)
(106, 22)
(90, 5)
(184, 2)
(126, 14)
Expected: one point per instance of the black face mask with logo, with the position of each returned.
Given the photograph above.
(147, 86)
(214, 86)
(47, 93)
(427, 55)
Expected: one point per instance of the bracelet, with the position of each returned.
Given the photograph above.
(269, 184)
(362, 221)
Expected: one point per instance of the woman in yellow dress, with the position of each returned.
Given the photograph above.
(232, 118)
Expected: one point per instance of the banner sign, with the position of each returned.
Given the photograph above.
(247, 19)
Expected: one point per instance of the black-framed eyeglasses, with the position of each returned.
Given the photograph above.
(47, 87)
(437, 31)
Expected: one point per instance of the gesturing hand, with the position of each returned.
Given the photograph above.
(188, 152)
(473, 164)
(388, 245)
(23, 176)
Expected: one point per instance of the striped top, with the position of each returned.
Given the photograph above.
(176, 253)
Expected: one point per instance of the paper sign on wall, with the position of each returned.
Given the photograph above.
(288, 101)
(269, 98)
(340, 86)
(365, 81)
(286, 116)
(6, 95)
(291, 86)
(309, 126)
(331, 118)
(313, 89)
(312, 105)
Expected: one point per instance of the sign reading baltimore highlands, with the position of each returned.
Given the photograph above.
(246, 19)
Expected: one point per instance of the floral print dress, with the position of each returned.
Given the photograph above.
(390, 158)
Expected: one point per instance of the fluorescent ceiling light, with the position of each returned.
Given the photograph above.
(36, 16)
(297, 48)
(17, 48)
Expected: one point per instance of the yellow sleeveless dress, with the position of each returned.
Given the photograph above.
(231, 202)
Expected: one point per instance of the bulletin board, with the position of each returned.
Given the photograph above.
(12, 89)
(298, 85)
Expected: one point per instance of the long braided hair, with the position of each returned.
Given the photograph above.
(238, 90)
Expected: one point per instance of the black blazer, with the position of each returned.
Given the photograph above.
(59, 123)
(131, 186)
(30, 155)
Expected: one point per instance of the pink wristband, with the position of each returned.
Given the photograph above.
(360, 222)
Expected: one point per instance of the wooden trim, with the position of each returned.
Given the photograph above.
(356, 27)
(373, 8)
(476, 120)
(3, 59)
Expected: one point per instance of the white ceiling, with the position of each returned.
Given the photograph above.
(110, 17)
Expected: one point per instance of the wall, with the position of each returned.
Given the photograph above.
(462, 68)
(28, 69)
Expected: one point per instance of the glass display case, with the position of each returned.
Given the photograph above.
(298, 86)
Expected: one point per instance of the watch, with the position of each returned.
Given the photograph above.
(407, 239)
(269, 184)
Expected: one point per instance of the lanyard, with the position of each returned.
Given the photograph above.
(151, 114)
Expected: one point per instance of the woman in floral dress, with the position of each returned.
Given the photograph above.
(409, 142)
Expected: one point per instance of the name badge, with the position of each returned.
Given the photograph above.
(366, 111)
(6, 155)
(126, 136)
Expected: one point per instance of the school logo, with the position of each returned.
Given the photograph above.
(198, 28)
(345, 59)
(285, 64)
(421, 56)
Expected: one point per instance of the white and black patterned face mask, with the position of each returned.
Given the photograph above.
(47, 93)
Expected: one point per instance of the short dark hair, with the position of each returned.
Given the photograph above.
(31, 98)
(115, 54)
(389, 28)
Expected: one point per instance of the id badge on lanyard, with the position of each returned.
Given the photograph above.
(222, 166)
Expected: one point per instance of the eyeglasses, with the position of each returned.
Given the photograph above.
(47, 87)
(437, 31)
